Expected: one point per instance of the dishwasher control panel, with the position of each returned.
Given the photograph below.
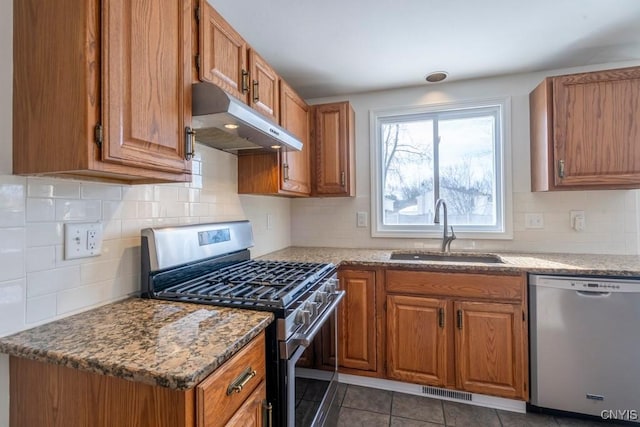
(586, 284)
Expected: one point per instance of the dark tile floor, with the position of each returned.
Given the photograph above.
(363, 406)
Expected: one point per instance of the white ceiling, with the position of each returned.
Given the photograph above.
(331, 47)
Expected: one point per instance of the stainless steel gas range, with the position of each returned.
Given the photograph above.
(210, 264)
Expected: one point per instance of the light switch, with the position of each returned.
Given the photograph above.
(362, 220)
(578, 220)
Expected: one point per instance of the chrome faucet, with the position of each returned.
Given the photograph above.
(446, 240)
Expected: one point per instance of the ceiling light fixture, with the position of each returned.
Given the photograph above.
(276, 147)
(436, 76)
(231, 126)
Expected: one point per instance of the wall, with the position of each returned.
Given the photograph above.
(37, 285)
(611, 216)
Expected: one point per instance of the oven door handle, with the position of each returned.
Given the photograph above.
(305, 339)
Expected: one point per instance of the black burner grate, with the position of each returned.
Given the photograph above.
(260, 283)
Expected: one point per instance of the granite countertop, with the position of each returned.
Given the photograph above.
(543, 263)
(155, 342)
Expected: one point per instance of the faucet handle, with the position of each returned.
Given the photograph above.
(453, 235)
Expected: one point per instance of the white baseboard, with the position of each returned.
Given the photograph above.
(475, 399)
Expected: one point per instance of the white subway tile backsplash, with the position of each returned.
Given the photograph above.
(56, 188)
(196, 181)
(198, 209)
(40, 210)
(165, 193)
(174, 209)
(41, 308)
(188, 195)
(132, 227)
(78, 210)
(51, 281)
(111, 229)
(77, 298)
(12, 201)
(12, 306)
(99, 270)
(44, 234)
(12, 247)
(101, 191)
(148, 209)
(139, 192)
(41, 258)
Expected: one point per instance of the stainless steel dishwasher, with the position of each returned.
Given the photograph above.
(585, 345)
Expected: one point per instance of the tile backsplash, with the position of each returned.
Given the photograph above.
(38, 285)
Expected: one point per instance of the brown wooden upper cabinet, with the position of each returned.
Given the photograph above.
(223, 53)
(286, 173)
(225, 59)
(585, 131)
(333, 164)
(102, 90)
(264, 92)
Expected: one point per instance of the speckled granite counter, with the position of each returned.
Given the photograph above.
(576, 264)
(161, 343)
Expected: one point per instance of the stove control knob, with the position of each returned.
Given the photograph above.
(303, 317)
(331, 286)
(322, 297)
(312, 307)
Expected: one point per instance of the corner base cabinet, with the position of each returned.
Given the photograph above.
(584, 131)
(44, 394)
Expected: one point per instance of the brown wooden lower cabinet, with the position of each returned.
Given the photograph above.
(489, 346)
(438, 336)
(49, 395)
(357, 321)
(416, 340)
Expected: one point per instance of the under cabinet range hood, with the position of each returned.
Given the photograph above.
(224, 122)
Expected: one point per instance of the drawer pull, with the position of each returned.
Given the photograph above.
(238, 384)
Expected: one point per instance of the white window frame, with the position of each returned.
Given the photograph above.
(502, 153)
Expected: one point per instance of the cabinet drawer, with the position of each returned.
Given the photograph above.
(214, 405)
(467, 285)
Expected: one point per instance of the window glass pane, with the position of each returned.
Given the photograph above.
(467, 169)
(407, 172)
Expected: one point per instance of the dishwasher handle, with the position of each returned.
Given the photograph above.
(593, 294)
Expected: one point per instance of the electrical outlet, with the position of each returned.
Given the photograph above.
(361, 219)
(82, 240)
(533, 220)
(269, 221)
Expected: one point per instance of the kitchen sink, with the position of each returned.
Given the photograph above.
(447, 257)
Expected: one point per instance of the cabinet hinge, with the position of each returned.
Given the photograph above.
(198, 62)
(98, 134)
(197, 13)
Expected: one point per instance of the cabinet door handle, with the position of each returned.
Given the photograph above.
(267, 414)
(561, 168)
(441, 317)
(343, 179)
(189, 146)
(285, 171)
(256, 95)
(238, 384)
(245, 81)
(459, 319)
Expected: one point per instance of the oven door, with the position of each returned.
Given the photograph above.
(311, 385)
